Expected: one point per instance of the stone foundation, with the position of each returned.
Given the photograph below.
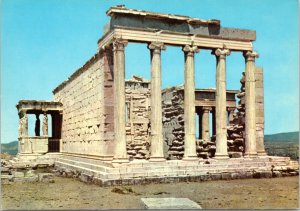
(144, 172)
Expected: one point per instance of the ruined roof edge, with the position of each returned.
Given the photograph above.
(123, 10)
(90, 62)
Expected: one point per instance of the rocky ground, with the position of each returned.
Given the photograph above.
(67, 193)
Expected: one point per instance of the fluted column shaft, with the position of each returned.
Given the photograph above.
(200, 113)
(205, 124)
(119, 99)
(156, 148)
(221, 113)
(250, 121)
(189, 103)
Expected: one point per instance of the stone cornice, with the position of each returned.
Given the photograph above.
(39, 105)
(112, 11)
(172, 38)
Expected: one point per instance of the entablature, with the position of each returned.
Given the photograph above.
(39, 106)
(145, 27)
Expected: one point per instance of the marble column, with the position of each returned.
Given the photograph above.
(45, 125)
(250, 121)
(156, 148)
(221, 113)
(119, 100)
(213, 121)
(205, 124)
(200, 113)
(189, 103)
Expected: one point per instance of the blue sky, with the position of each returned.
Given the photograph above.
(43, 42)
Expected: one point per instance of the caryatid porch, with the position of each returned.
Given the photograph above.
(191, 35)
(44, 142)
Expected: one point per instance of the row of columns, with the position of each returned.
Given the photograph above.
(204, 124)
(156, 150)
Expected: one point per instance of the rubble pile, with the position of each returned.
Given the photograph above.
(173, 123)
(137, 116)
(173, 127)
(16, 171)
(236, 128)
(206, 149)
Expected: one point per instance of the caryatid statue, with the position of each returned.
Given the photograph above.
(45, 125)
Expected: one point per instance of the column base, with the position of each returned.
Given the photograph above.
(120, 160)
(262, 153)
(190, 158)
(157, 159)
(250, 154)
(221, 156)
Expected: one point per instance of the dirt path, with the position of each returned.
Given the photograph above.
(275, 193)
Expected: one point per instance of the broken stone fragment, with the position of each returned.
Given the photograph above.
(46, 177)
(18, 174)
(30, 173)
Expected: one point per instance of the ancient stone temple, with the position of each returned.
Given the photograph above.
(114, 131)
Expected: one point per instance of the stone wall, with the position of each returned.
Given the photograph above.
(259, 101)
(173, 127)
(173, 123)
(236, 131)
(88, 108)
(137, 118)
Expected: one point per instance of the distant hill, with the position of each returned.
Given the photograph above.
(283, 137)
(10, 148)
(280, 140)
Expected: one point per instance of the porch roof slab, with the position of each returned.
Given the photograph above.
(38, 106)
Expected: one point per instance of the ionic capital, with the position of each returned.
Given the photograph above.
(250, 55)
(156, 47)
(221, 53)
(190, 50)
(119, 44)
(206, 108)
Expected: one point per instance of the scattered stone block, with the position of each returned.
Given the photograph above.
(170, 203)
(85, 178)
(285, 174)
(6, 179)
(293, 173)
(216, 176)
(29, 173)
(276, 174)
(235, 175)
(256, 175)
(18, 174)
(266, 174)
(5, 170)
(46, 177)
(34, 178)
(226, 176)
